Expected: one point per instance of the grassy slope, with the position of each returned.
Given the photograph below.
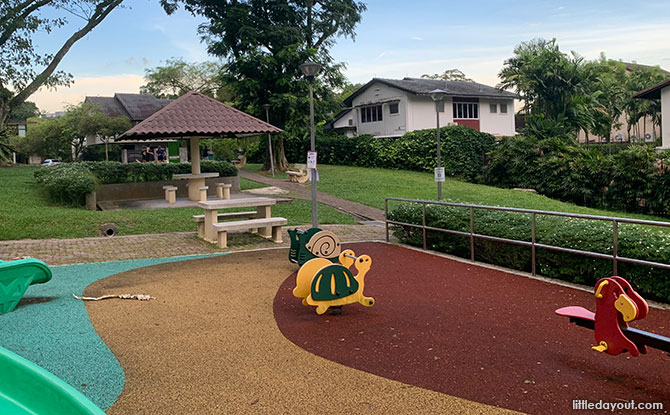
(25, 212)
(371, 186)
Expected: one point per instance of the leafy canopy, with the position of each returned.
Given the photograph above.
(23, 70)
(449, 75)
(177, 77)
(263, 43)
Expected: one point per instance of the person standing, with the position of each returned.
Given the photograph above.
(160, 154)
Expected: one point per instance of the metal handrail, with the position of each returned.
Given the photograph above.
(533, 244)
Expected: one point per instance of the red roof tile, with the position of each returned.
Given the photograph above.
(197, 115)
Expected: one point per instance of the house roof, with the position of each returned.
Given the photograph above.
(631, 66)
(421, 86)
(197, 115)
(136, 107)
(653, 92)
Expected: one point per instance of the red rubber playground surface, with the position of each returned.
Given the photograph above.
(475, 333)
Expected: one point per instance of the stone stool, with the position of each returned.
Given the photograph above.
(203, 193)
(170, 194)
(223, 190)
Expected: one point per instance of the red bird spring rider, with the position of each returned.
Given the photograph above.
(617, 304)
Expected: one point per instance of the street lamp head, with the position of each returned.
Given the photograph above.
(266, 106)
(310, 69)
(437, 94)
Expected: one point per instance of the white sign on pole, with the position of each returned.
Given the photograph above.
(311, 160)
(439, 174)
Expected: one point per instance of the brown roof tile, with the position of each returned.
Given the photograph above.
(197, 115)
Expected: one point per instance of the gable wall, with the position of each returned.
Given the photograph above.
(391, 124)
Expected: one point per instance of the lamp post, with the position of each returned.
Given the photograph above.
(267, 118)
(310, 69)
(438, 95)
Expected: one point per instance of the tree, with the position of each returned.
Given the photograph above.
(177, 77)
(65, 137)
(449, 75)
(553, 85)
(22, 69)
(24, 111)
(265, 41)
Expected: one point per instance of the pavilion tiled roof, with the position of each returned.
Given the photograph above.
(197, 115)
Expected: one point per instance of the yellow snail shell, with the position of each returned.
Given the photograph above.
(324, 244)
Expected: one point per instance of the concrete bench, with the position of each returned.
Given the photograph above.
(297, 175)
(203, 193)
(223, 190)
(170, 194)
(222, 229)
(200, 219)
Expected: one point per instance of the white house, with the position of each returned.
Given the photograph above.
(660, 91)
(392, 107)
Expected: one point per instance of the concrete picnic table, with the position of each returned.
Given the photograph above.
(211, 208)
(195, 181)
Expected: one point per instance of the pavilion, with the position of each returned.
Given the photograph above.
(192, 117)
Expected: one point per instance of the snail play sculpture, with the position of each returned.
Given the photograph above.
(313, 243)
(617, 304)
(322, 284)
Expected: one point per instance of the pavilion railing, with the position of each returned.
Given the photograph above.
(533, 244)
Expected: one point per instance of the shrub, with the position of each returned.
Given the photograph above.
(67, 183)
(114, 172)
(634, 241)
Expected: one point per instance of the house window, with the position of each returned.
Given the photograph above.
(494, 108)
(503, 108)
(22, 130)
(393, 108)
(371, 114)
(466, 110)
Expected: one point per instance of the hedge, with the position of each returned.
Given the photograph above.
(463, 151)
(634, 179)
(69, 182)
(634, 241)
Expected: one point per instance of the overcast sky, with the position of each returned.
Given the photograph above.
(394, 39)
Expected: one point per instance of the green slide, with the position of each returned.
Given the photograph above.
(27, 389)
(16, 276)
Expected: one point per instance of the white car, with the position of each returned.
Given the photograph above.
(50, 162)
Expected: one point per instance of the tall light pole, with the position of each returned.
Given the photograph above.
(310, 69)
(267, 118)
(438, 95)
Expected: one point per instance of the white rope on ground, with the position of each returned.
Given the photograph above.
(141, 297)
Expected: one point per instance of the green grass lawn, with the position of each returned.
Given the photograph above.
(371, 186)
(25, 212)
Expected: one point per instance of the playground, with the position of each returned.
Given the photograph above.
(225, 334)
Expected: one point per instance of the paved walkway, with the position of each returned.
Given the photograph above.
(100, 249)
(304, 191)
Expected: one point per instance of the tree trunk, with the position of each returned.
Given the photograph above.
(280, 161)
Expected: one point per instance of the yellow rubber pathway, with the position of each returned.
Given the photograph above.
(209, 344)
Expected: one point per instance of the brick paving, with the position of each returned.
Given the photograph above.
(100, 249)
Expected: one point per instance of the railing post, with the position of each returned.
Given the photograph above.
(423, 222)
(532, 241)
(615, 246)
(386, 217)
(472, 234)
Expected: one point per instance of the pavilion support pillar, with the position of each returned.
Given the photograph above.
(195, 155)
